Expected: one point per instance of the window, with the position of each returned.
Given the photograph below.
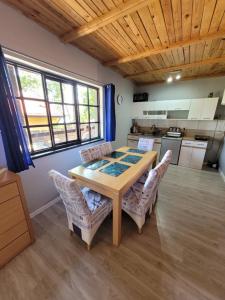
(55, 112)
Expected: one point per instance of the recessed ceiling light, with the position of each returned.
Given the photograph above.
(178, 76)
(169, 79)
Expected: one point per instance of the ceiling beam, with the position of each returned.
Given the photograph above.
(109, 17)
(220, 74)
(209, 61)
(164, 49)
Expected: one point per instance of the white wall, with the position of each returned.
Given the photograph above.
(21, 34)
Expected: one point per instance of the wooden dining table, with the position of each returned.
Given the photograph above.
(115, 187)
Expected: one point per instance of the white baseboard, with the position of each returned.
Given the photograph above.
(222, 175)
(44, 207)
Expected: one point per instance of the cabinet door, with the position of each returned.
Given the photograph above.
(185, 157)
(195, 112)
(197, 158)
(209, 108)
(179, 104)
(132, 143)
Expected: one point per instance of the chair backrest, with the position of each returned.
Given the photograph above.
(91, 153)
(146, 144)
(162, 167)
(149, 190)
(106, 148)
(70, 193)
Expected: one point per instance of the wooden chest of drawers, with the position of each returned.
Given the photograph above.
(15, 226)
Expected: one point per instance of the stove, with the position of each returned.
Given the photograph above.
(172, 141)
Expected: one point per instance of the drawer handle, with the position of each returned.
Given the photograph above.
(206, 118)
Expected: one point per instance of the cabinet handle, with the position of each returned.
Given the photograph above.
(206, 118)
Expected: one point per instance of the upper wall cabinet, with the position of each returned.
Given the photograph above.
(203, 109)
(179, 104)
(196, 109)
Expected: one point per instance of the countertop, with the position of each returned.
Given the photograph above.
(188, 138)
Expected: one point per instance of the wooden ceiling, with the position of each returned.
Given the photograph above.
(143, 40)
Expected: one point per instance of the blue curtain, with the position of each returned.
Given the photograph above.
(109, 112)
(16, 150)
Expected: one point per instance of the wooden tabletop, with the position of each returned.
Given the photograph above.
(121, 183)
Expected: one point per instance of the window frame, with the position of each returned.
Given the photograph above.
(45, 75)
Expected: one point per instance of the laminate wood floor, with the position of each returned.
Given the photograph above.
(180, 255)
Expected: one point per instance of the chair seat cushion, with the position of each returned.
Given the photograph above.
(99, 206)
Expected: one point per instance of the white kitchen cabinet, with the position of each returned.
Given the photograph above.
(132, 143)
(178, 104)
(195, 111)
(185, 157)
(209, 108)
(197, 158)
(192, 154)
(203, 109)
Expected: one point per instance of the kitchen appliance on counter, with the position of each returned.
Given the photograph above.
(202, 137)
(172, 141)
(174, 132)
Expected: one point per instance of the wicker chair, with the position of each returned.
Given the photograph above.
(141, 198)
(85, 209)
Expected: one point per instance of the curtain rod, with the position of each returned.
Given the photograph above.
(50, 64)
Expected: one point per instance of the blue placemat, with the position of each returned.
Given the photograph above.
(136, 151)
(95, 164)
(115, 169)
(132, 159)
(116, 154)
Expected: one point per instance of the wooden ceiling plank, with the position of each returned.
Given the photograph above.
(220, 74)
(182, 67)
(120, 28)
(197, 13)
(177, 19)
(94, 8)
(186, 19)
(168, 16)
(33, 14)
(131, 24)
(158, 19)
(109, 17)
(101, 5)
(109, 4)
(160, 50)
(217, 16)
(186, 55)
(135, 16)
(149, 26)
(207, 16)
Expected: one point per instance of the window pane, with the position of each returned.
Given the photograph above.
(68, 95)
(94, 130)
(13, 79)
(59, 134)
(20, 111)
(57, 113)
(82, 94)
(40, 138)
(27, 139)
(69, 113)
(93, 114)
(54, 91)
(71, 132)
(84, 132)
(31, 83)
(93, 100)
(84, 116)
(36, 112)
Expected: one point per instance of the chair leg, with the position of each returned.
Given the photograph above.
(88, 247)
(71, 232)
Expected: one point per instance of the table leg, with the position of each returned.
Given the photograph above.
(117, 215)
